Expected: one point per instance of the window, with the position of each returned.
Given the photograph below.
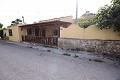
(10, 32)
(29, 31)
(36, 32)
(55, 32)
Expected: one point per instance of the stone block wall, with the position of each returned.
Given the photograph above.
(100, 46)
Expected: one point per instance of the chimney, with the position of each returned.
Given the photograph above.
(23, 19)
(87, 12)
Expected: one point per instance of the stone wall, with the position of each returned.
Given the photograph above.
(100, 46)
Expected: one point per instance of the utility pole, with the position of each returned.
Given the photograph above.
(76, 19)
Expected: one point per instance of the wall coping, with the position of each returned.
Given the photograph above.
(88, 39)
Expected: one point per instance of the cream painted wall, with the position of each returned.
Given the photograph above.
(67, 19)
(15, 33)
(22, 31)
(49, 30)
(92, 32)
(5, 31)
(73, 31)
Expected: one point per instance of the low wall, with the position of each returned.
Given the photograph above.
(91, 32)
(100, 46)
(5, 37)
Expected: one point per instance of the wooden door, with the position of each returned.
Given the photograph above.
(43, 32)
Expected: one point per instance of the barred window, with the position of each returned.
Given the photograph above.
(10, 32)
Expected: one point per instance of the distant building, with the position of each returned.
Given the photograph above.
(87, 15)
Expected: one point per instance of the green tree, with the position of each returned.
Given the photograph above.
(84, 23)
(109, 16)
(17, 21)
(1, 25)
(1, 30)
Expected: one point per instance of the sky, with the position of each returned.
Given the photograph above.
(36, 10)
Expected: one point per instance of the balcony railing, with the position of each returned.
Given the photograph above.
(40, 39)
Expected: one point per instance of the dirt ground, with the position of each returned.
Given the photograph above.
(24, 61)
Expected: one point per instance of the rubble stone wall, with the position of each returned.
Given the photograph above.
(101, 46)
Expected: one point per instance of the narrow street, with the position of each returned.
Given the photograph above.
(22, 63)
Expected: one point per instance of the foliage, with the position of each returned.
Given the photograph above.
(1, 25)
(109, 16)
(17, 21)
(1, 28)
(85, 22)
(1, 33)
(9, 26)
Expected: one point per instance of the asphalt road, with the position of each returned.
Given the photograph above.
(22, 63)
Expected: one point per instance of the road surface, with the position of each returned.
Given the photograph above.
(22, 63)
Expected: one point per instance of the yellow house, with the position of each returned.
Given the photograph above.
(13, 33)
(49, 31)
(43, 32)
(62, 32)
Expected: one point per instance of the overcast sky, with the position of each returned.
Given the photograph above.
(35, 10)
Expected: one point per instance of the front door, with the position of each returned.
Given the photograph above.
(43, 32)
(36, 32)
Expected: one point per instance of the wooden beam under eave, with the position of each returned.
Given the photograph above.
(57, 25)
